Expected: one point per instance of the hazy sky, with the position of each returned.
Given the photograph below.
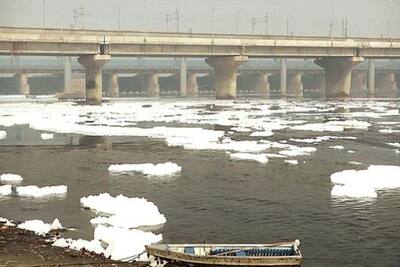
(306, 17)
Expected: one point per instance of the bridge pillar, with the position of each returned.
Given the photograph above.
(93, 75)
(386, 83)
(149, 82)
(338, 75)
(358, 82)
(283, 77)
(225, 75)
(22, 83)
(371, 78)
(192, 85)
(113, 85)
(183, 90)
(262, 83)
(67, 74)
(295, 85)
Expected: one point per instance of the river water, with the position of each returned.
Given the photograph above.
(216, 199)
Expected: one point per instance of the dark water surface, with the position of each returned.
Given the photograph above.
(216, 199)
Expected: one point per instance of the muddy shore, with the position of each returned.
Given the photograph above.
(23, 248)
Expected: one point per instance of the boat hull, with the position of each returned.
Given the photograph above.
(181, 259)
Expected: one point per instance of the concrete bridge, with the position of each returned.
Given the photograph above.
(224, 53)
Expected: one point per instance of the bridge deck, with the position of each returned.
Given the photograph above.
(33, 41)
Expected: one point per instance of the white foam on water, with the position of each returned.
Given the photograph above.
(6, 222)
(39, 192)
(355, 163)
(353, 192)
(122, 118)
(123, 211)
(350, 124)
(11, 178)
(160, 169)
(46, 136)
(365, 183)
(39, 227)
(261, 158)
(3, 134)
(337, 147)
(272, 155)
(293, 151)
(5, 190)
(292, 161)
(389, 131)
(93, 245)
(333, 126)
(319, 127)
(125, 244)
(388, 122)
(319, 139)
(228, 144)
(265, 133)
(241, 129)
(394, 144)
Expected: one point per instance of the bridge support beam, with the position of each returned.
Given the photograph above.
(295, 85)
(225, 75)
(183, 89)
(386, 83)
(113, 85)
(22, 83)
(371, 78)
(358, 82)
(149, 82)
(94, 87)
(67, 74)
(338, 75)
(283, 78)
(192, 85)
(262, 83)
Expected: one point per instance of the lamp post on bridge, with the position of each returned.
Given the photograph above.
(78, 14)
(119, 17)
(174, 16)
(237, 20)
(44, 13)
(287, 24)
(256, 20)
(273, 5)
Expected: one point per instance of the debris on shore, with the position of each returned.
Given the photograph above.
(19, 247)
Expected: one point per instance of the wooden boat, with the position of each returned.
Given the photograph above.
(279, 254)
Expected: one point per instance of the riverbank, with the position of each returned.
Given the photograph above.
(23, 248)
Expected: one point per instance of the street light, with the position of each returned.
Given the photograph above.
(267, 18)
(237, 19)
(44, 13)
(212, 16)
(81, 14)
(119, 22)
(256, 20)
(287, 24)
(171, 17)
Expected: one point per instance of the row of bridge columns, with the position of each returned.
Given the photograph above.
(338, 80)
(22, 83)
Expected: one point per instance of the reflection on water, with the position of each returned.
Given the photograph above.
(98, 142)
(22, 135)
